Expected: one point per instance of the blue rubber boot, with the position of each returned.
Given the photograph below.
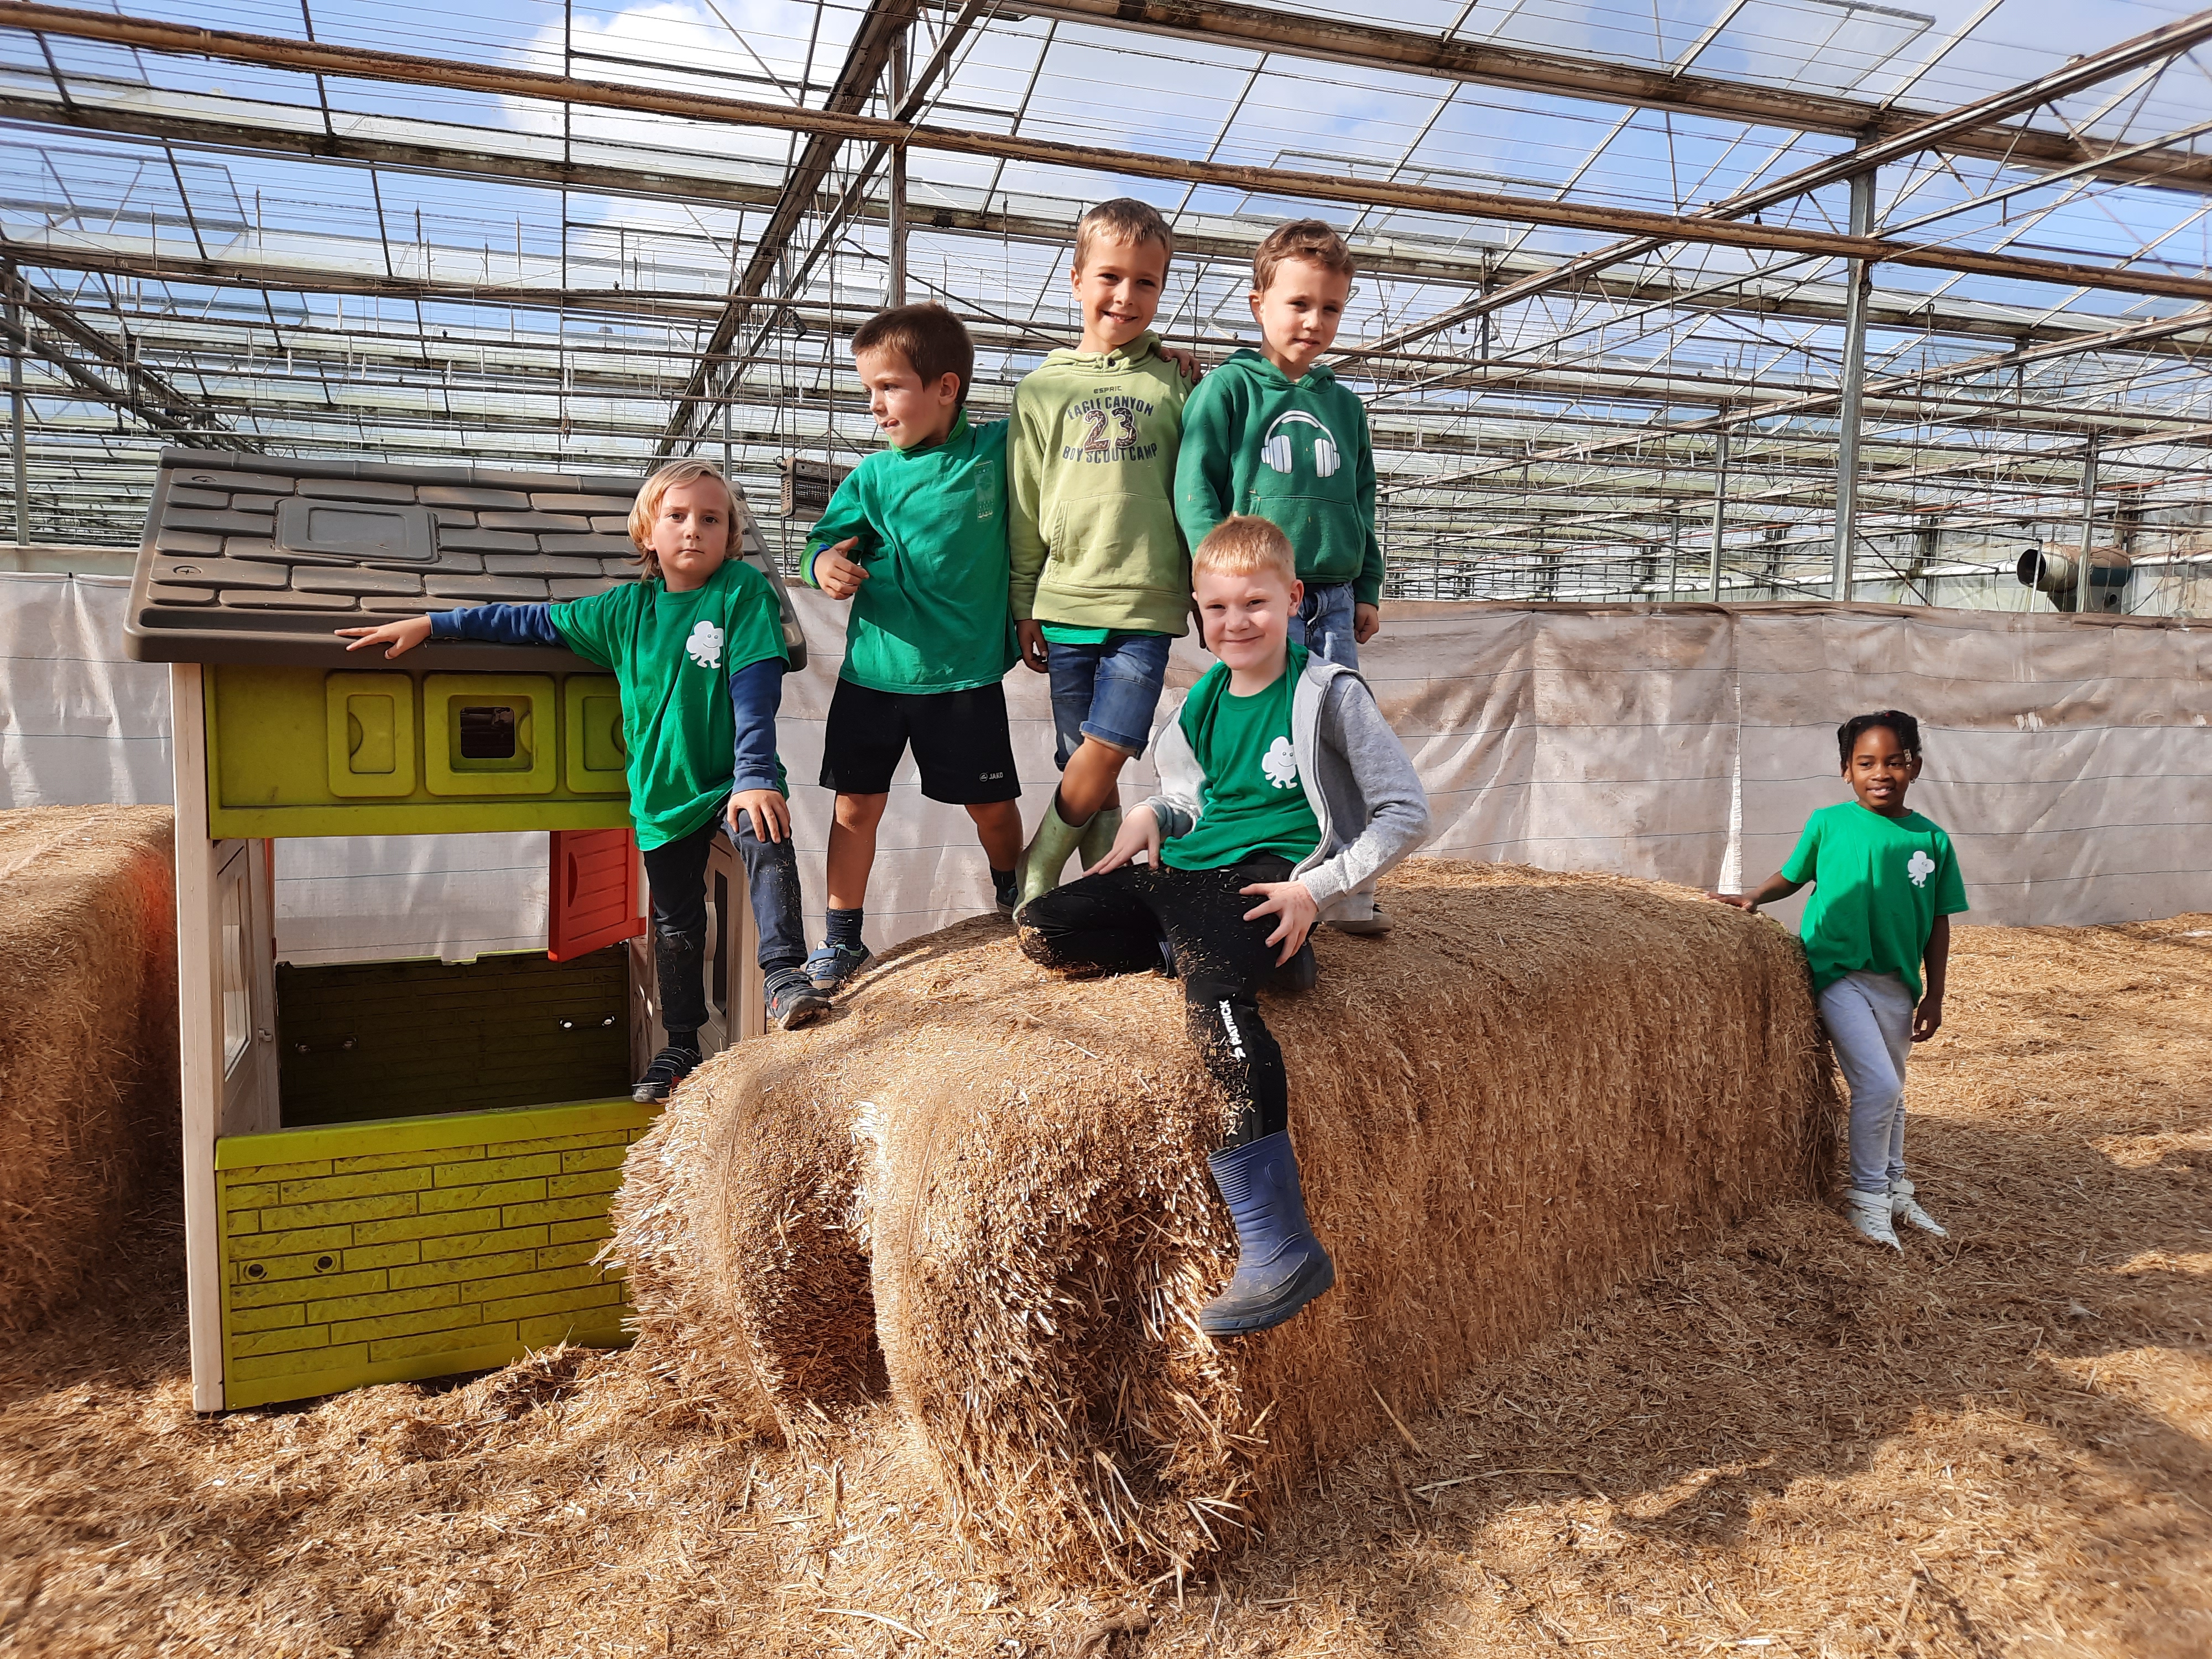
(1281, 1265)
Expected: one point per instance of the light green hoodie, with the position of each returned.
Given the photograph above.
(1091, 488)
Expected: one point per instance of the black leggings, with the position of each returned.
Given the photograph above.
(1113, 923)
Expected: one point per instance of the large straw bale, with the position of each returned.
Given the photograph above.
(88, 1043)
(1539, 1085)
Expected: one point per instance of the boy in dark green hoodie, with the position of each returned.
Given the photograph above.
(1271, 432)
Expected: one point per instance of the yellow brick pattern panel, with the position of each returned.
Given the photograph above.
(375, 1265)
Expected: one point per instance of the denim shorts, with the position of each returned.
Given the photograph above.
(1324, 623)
(1109, 692)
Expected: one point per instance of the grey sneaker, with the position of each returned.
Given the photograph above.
(791, 1000)
(830, 967)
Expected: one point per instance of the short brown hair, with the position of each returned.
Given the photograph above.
(647, 507)
(1125, 218)
(930, 337)
(1301, 238)
(1243, 544)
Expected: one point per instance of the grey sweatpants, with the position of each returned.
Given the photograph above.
(1869, 1021)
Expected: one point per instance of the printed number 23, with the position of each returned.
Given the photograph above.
(1124, 424)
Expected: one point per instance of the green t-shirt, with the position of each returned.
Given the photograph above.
(932, 615)
(1879, 884)
(1252, 801)
(1066, 634)
(673, 654)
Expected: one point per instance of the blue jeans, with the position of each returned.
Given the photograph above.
(1109, 692)
(677, 872)
(1322, 623)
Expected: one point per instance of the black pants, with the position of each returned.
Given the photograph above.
(677, 871)
(1113, 923)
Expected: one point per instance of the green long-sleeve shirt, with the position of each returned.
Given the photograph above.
(1092, 494)
(931, 523)
(1295, 453)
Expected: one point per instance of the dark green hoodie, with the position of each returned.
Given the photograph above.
(1296, 455)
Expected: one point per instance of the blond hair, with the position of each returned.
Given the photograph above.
(647, 507)
(1125, 218)
(1301, 238)
(1245, 544)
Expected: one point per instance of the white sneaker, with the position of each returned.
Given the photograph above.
(1869, 1214)
(1902, 1208)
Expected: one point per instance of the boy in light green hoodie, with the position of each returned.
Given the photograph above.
(1272, 434)
(1101, 574)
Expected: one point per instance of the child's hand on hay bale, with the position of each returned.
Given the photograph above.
(1293, 901)
(1139, 833)
(401, 637)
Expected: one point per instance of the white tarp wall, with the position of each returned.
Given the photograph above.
(2071, 758)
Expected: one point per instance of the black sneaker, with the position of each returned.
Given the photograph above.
(670, 1067)
(830, 967)
(791, 1000)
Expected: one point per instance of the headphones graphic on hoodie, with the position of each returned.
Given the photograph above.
(1275, 447)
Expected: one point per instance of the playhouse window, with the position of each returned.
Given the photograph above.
(487, 731)
(237, 1003)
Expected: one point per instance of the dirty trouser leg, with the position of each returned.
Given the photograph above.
(772, 884)
(1223, 960)
(677, 872)
(1095, 924)
(1869, 1022)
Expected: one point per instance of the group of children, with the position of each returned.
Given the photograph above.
(1079, 538)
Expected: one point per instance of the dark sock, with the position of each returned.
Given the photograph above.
(686, 1041)
(844, 929)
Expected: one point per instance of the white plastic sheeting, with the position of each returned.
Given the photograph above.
(2071, 759)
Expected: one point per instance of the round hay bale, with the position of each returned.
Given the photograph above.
(1538, 1085)
(89, 1046)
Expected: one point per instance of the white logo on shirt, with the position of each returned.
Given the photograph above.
(1919, 866)
(1275, 445)
(1280, 764)
(705, 645)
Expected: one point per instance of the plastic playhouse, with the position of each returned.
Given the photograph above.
(401, 1170)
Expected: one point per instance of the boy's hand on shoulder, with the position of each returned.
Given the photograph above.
(1927, 1018)
(1187, 363)
(401, 637)
(1140, 833)
(1366, 623)
(835, 575)
(769, 812)
(1031, 635)
(1293, 901)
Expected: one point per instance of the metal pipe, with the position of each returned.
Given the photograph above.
(1720, 516)
(895, 289)
(15, 405)
(1854, 390)
(2085, 573)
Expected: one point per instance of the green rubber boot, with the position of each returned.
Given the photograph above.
(1098, 836)
(1046, 855)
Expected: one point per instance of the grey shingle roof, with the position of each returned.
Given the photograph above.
(250, 559)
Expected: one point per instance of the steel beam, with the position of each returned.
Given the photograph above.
(401, 68)
(1374, 45)
(1852, 400)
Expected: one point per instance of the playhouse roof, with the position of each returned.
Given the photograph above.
(255, 559)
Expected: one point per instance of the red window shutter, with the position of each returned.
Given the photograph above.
(592, 900)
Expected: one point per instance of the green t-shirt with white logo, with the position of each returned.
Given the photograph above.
(1253, 801)
(1879, 884)
(672, 654)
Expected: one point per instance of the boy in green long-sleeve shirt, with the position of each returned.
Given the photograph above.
(916, 538)
(1272, 434)
(1101, 576)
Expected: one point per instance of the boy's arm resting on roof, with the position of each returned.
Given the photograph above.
(1397, 806)
(498, 624)
(755, 698)
(1025, 545)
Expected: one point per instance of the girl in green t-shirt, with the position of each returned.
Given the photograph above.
(1877, 935)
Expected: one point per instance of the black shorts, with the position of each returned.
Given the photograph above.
(960, 742)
